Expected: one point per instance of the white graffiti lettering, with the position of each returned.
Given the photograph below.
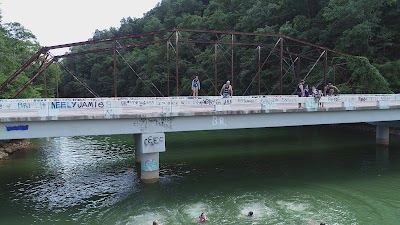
(218, 121)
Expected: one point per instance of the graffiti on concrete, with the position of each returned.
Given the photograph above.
(148, 123)
(218, 121)
(149, 165)
(65, 105)
(19, 127)
(153, 140)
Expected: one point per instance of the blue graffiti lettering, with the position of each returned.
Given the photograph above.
(20, 127)
(65, 105)
(22, 105)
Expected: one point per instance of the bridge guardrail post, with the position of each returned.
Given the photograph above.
(43, 109)
(311, 103)
(53, 110)
(112, 108)
(383, 104)
(223, 104)
(167, 107)
(349, 105)
(267, 104)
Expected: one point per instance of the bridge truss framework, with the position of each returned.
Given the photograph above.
(283, 46)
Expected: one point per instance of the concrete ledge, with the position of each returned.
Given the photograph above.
(188, 114)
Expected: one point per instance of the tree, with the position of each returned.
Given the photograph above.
(16, 46)
(369, 29)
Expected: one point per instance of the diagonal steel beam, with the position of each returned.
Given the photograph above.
(23, 67)
(46, 65)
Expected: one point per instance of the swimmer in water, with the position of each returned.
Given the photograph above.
(250, 214)
(203, 217)
(156, 223)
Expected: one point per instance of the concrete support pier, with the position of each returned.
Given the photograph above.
(147, 149)
(382, 135)
(138, 148)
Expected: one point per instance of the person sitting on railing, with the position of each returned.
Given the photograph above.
(226, 90)
(300, 90)
(330, 89)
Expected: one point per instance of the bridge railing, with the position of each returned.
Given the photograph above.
(143, 105)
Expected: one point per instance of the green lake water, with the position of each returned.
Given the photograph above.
(295, 175)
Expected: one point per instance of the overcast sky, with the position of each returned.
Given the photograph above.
(64, 21)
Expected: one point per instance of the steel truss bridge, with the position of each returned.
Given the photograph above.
(292, 55)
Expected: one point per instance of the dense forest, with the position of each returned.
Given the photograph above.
(368, 30)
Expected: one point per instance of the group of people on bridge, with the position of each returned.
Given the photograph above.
(302, 90)
(226, 90)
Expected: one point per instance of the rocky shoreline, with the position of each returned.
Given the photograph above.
(10, 146)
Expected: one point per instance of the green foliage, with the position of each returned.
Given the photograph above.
(366, 78)
(16, 46)
(391, 71)
(369, 29)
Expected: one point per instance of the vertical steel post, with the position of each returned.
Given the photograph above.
(115, 69)
(298, 69)
(232, 60)
(281, 65)
(57, 82)
(45, 83)
(259, 70)
(325, 67)
(215, 69)
(168, 68)
(176, 62)
(334, 74)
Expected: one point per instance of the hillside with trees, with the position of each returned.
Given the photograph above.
(369, 30)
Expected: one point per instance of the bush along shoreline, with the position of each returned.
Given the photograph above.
(8, 147)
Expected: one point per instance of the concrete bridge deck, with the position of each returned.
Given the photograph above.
(149, 118)
(108, 108)
(36, 118)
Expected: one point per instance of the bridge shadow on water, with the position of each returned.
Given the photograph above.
(314, 152)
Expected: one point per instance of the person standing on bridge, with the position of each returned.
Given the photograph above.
(226, 90)
(300, 90)
(195, 86)
(317, 94)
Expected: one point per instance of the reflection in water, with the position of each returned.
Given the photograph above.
(319, 176)
(382, 154)
(80, 173)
